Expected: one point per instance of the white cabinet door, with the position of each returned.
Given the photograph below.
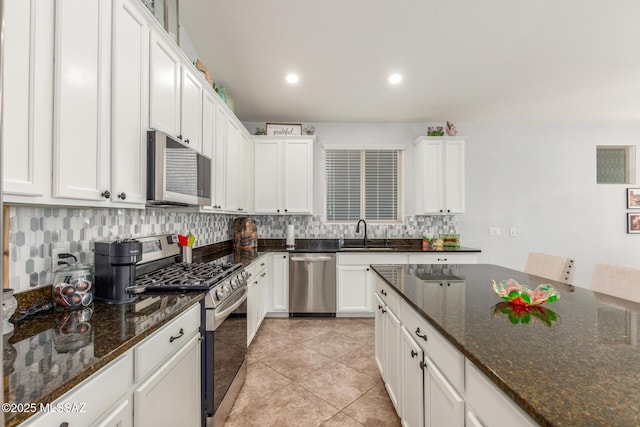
(443, 406)
(233, 171)
(298, 177)
(268, 176)
(252, 304)
(164, 95)
(354, 289)
(430, 162)
(130, 102)
(440, 176)
(411, 407)
(454, 176)
(243, 172)
(191, 111)
(393, 378)
(82, 99)
(208, 125)
(171, 395)
(220, 158)
(278, 296)
(27, 91)
(380, 309)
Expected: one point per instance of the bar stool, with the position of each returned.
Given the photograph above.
(551, 267)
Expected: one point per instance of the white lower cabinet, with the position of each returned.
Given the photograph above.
(411, 364)
(120, 416)
(443, 406)
(171, 395)
(387, 331)
(256, 296)
(278, 286)
(354, 289)
(97, 394)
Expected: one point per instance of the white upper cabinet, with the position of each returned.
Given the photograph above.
(28, 90)
(165, 80)
(130, 102)
(208, 124)
(440, 175)
(232, 175)
(191, 112)
(82, 84)
(283, 175)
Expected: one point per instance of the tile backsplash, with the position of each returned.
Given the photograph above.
(33, 230)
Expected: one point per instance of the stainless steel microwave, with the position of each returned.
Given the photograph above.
(176, 173)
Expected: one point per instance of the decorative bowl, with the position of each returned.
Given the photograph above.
(515, 293)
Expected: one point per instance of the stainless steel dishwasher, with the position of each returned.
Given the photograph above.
(312, 284)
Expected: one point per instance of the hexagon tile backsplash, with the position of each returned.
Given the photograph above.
(33, 229)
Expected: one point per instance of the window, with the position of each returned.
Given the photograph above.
(363, 184)
(615, 164)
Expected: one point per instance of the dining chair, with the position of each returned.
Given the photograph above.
(552, 267)
(617, 281)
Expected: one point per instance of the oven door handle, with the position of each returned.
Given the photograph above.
(219, 317)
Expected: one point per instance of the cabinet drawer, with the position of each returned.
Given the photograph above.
(448, 360)
(159, 346)
(387, 294)
(490, 404)
(256, 268)
(98, 393)
(442, 258)
(368, 258)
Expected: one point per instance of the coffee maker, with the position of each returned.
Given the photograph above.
(115, 271)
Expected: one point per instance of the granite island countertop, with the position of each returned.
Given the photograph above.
(50, 353)
(580, 369)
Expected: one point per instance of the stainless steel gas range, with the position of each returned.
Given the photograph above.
(225, 329)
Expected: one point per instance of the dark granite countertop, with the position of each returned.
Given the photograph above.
(578, 366)
(50, 353)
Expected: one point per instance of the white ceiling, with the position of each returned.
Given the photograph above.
(543, 61)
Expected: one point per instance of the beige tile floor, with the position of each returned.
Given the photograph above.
(313, 372)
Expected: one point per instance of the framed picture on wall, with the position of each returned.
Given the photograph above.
(633, 198)
(633, 223)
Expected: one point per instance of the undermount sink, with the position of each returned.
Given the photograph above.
(367, 248)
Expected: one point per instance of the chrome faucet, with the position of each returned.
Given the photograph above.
(364, 240)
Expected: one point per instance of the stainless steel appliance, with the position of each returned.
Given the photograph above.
(312, 284)
(225, 328)
(176, 173)
(115, 271)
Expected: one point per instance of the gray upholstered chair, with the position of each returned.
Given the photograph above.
(617, 281)
(552, 267)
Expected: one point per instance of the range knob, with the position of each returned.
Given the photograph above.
(235, 283)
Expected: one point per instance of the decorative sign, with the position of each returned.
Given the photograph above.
(284, 129)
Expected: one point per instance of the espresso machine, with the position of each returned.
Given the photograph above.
(115, 271)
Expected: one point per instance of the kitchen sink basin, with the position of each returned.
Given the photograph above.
(367, 249)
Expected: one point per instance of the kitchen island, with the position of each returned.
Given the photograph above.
(575, 363)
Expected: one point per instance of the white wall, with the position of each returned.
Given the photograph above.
(542, 180)
(539, 179)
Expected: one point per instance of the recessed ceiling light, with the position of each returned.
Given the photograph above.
(394, 79)
(292, 78)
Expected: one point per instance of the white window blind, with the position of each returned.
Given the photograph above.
(362, 184)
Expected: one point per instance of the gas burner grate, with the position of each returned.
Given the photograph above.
(183, 276)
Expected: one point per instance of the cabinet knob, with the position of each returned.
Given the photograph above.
(180, 137)
(441, 210)
(286, 210)
(367, 269)
(278, 210)
(384, 311)
(413, 354)
(284, 256)
(240, 209)
(122, 196)
(448, 210)
(379, 307)
(106, 194)
(186, 140)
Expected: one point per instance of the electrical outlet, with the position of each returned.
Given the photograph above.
(56, 250)
(494, 231)
(513, 232)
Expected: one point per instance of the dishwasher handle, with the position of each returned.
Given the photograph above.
(316, 258)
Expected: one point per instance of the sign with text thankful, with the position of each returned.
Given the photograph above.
(284, 129)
